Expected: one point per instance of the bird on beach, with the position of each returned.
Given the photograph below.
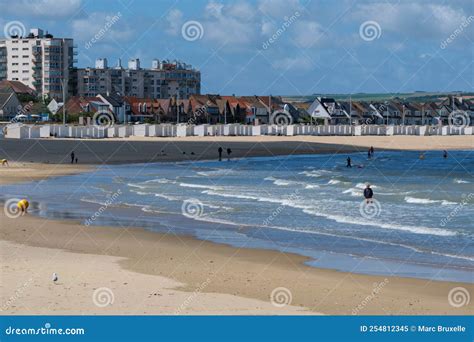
(55, 278)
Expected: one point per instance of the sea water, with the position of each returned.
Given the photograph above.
(420, 223)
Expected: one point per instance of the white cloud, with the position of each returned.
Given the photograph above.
(413, 19)
(279, 8)
(103, 27)
(307, 33)
(302, 63)
(175, 20)
(42, 8)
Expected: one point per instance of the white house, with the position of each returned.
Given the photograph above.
(318, 111)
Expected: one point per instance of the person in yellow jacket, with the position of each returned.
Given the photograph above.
(23, 205)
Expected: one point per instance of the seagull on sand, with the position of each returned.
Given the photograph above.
(55, 277)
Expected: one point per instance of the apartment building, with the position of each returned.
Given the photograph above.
(163, 80)
(40, 61)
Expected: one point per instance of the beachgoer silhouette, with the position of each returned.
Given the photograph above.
(445, 154)
(72, 157)
(349, 162)
(369, 154)
(76, 160)
(368, 193)
(229, 151)
(371, 151)
(220, 153)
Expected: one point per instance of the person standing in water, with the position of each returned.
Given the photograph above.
(368, 193)
(371, 151)
(445, 154)
(369, 154)
(229, 151)
(220, 153)
(349, 162)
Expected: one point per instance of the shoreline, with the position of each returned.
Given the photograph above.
(145, 150)
(191, 268)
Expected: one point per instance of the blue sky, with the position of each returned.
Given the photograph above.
(317, 46)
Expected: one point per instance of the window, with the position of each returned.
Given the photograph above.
(15, 56)
(14, 49)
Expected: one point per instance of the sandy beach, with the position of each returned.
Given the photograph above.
(152, 273)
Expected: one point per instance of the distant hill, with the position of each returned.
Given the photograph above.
(413, 97)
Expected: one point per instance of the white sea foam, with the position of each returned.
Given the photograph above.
(308, 209)
(411, 229)
(201, 186)
(353, 192)
(460, 181)
(415, 200)
(133, 185)
(334, 181)
(419, 200)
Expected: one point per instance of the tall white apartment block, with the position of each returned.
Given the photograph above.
(40, 61)
(163, 80)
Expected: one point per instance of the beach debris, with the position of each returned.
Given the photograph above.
(55, 277)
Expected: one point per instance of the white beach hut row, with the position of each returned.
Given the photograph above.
(21, 131)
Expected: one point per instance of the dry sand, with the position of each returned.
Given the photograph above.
(167, 274)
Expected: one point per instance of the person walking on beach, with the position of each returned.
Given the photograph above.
(368, 193)
(73, 157)
(349, 162)
(220, 153)
(229, 151)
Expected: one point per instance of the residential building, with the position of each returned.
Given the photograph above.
(18, 87)
(40, 61)
(10, 105)
(165, 79)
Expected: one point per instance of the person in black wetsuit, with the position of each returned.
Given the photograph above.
(371, 151)
(72, 157)
(368, 193)
(229, 151)
(220, 153)
(445, 154)
(349, 162)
